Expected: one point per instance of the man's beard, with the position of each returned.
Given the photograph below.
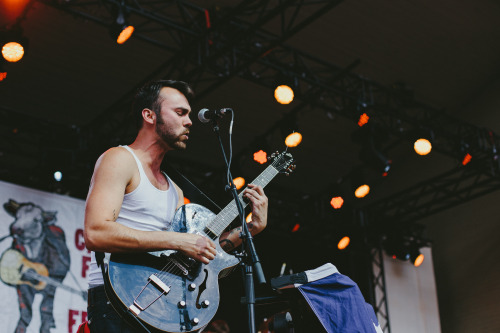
(170, 138)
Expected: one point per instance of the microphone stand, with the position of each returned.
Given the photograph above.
(248, 255)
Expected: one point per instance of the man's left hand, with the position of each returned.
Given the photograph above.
(258, 200)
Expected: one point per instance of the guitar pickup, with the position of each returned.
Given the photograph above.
(180, 266)
(159, 283)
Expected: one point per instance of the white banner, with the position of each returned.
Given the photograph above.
(44, 263)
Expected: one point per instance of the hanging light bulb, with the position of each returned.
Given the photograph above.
(363, 119)
(362, 191)
(337, 202)
(125, 34)
(290, 130)
(343, 243)
(422, 146)
(13, 44)
(293, 139)
(239, 182)
(418, 260)
(58, 176)
(12, 51)
(121, 30)
(424, 138)
(260, 157)
(283, 94)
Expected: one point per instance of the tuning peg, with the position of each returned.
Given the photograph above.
(287, 173)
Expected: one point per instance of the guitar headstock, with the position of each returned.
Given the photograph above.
(283, 162)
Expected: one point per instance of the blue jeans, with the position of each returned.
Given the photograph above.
(102, 317)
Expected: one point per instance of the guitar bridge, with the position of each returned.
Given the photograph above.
(159, 283)
(135, 308)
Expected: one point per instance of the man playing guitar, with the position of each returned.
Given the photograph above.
(131, 202)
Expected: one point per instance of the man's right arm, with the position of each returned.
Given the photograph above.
(113, 173)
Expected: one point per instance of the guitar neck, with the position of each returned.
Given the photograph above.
(228, 214)
(55, 283)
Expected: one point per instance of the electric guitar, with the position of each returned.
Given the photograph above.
(168, 291)
(15, 269)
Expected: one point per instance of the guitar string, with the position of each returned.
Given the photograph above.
(231, 209)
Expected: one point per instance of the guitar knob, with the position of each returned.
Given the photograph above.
(205, 303)
(195, 321)
(192, 287)
(181, 304)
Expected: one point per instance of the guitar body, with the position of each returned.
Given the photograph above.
(165, 290)
(13, 266)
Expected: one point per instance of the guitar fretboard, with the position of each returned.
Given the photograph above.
(227, 215)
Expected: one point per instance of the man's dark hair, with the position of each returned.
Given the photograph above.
(148, 97)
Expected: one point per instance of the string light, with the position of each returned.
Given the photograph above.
(12, 51)
(343, 243)
(337, 202)
(283, 94)
(363, 120)
(58, 176)
(293, 139)
(419, 260)
(239, 182)
(422, 146)
(467, 159)
(362, 191)
(125, 34)
(260, 157)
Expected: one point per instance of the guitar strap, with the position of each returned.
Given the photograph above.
(194, 193)
(99, 258)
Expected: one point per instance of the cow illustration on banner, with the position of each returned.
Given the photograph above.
(37, 262)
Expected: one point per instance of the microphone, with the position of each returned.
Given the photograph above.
(205, 115)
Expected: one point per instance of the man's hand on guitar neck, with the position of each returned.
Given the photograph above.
(258, 200)
(197, 247)
(255, 194)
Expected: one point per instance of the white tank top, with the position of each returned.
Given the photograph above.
(145, 208)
